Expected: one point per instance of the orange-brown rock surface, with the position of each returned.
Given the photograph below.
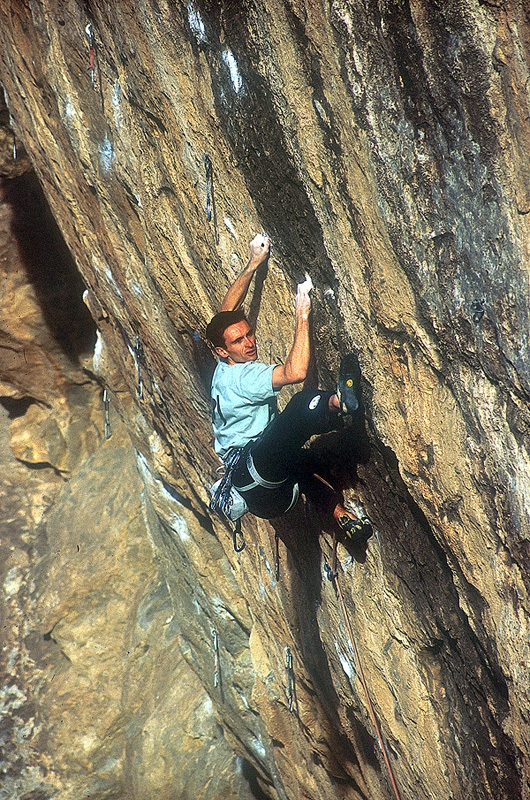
(384, 147)
(86, 650)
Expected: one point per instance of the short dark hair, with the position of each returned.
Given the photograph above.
(215, 330)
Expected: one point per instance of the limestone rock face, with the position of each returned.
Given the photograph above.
(146, 727)
(90, 633)
(384, 147)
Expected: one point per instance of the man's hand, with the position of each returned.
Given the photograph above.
(303, 301)
(259, 249)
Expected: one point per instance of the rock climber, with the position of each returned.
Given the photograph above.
(272, 467)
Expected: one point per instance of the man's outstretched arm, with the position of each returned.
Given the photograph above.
(235, 296)
(297, 362)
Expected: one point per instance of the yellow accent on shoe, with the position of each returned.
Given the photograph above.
(349, 524)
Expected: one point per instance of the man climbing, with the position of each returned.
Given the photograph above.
(272, 468)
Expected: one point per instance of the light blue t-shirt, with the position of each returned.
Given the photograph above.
(243, 403)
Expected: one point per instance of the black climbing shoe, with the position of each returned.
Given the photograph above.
(349, 384)
(356, 530)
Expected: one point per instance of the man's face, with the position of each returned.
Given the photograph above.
(240, 344)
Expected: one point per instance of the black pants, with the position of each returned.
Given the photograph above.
(276, 462)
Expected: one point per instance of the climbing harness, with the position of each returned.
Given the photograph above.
(106, 407)
(257, 480)
(138, 350)
(216, 662)
(332, 574)
(290, 676)
(226, 499)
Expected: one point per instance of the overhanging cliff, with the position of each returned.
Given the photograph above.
(384, 148)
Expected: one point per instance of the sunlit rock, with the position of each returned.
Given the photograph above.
(384, 148)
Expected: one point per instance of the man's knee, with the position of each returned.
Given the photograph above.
(311, 405)
(308, 400)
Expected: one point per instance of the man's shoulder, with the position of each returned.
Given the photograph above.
(252, 370)
(241, 374)
(254, 365)
(223, 368)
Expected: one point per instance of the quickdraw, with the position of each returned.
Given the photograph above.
(477, 307)
(217, 662)
(91, 39)
(138, 350)
(290, 676)
(106, 408)
(222, 498)
(209, 185)
(237, 537)
(11, 125)
(210, 195)
(269, 342)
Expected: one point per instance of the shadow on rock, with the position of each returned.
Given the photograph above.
(49, 266)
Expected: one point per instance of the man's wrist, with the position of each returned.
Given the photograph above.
(303, 316)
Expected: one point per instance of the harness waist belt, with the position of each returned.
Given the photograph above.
(257, 477)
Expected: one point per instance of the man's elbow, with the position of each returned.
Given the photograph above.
(298, 375)
(286, 376)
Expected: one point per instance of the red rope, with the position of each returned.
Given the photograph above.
(371, 709)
